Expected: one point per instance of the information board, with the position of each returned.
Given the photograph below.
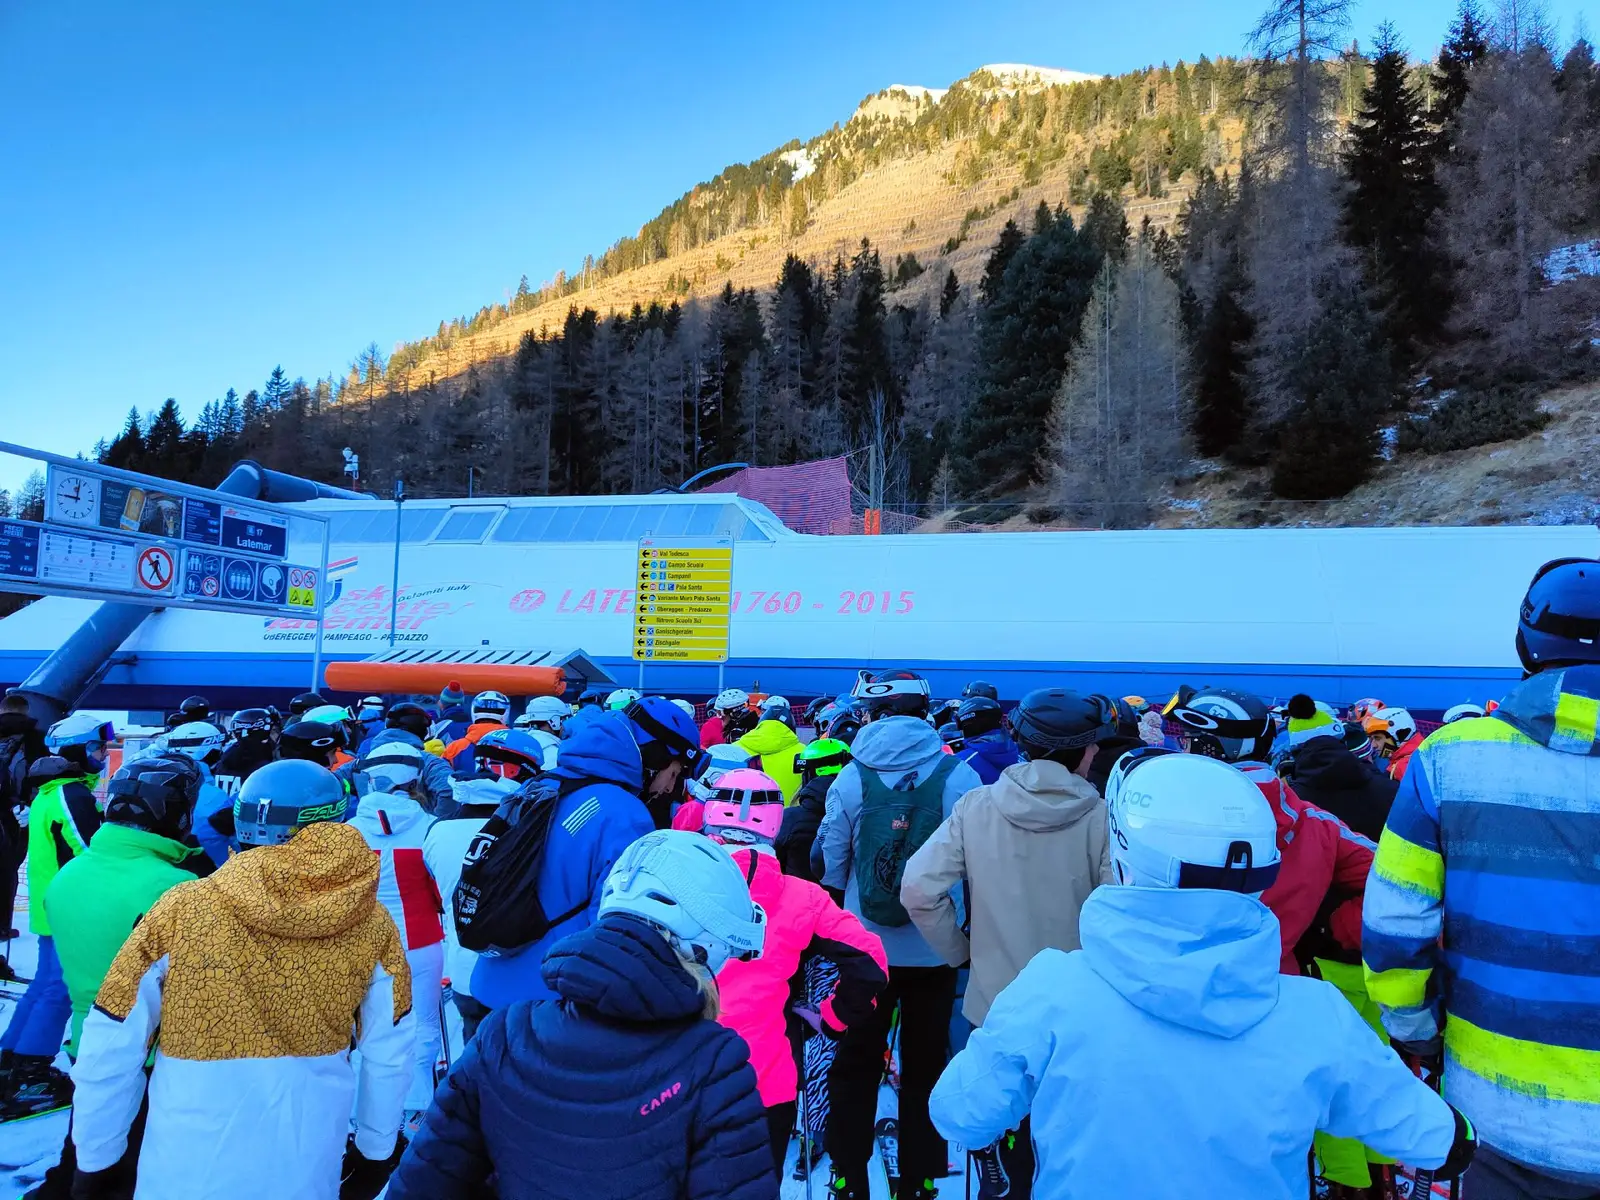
(685, 586)
(245, 581)
(83, 498)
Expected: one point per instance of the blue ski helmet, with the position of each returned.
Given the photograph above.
(1559, 624)
(664, 732)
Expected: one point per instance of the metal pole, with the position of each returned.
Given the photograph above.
(469, 482)
(394, 591)
(322, 607)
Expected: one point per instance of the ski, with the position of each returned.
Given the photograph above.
(887, 1134)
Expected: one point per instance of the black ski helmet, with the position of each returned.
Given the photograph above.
(310, 741)
(156, 794)
(895, 693)
(412, 718)
(1054, 721)
(1227, 724)
(980, 687)
(254, 724)
(304, 703)
(979, 715)
(844, 727)
(284, 797)
(944, 713)
(950, 734)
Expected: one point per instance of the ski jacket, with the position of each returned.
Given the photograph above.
(711, 733)
(241, 760)
(394, 825)
(260, 979)
(592, 826)
(801, 922)
(435, 774)
(21, 745)
(1401, 758)
(621, 1090)
(902, 750)
(99, 896)
(1327, 775)
(1170, 1049)
(444, 852)
(1317, 896)
(63, 817)
(798, 832)
(776, 745)
(1039, 831)
(989, 754)
(461, 754)
(1483, 919)
(213, 818)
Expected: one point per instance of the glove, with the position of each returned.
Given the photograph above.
(113, 1183)
(814, 1019)
(362, 1178)
(1462, 1148)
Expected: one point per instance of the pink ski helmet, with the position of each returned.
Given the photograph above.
(747, 809)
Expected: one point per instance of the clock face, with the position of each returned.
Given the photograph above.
(75, 498)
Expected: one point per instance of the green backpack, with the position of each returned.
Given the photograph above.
(894, 824)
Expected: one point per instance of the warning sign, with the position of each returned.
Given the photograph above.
(303, 587)
(155, 571)
(684, 588)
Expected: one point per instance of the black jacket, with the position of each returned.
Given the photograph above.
(1326, 774)
(21, 745)
(799, 829)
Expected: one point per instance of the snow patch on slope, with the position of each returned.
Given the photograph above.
(801, 161)
(1025, 77)
(1569, 262)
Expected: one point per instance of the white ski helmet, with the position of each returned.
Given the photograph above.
(686, 706)
(690, 889)
(392, 766)
(775, 702)
(544, 712)
(197, 740)
(730, 700)
(620, 699)
(1188, 821)
(491, 706)
(1397, 722)
(79, 729)
(1462, 712)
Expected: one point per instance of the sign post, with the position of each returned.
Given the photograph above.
(684, 589)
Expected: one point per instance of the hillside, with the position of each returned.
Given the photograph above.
(929, 172)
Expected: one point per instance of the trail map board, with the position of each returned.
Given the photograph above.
(684, 589)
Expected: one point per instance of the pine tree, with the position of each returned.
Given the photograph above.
(1390, 204)
(1465, 48)
(1005, 249)
(949, 294)
(1578, 90)
(275, 393)
(127, 450)
(29, 502)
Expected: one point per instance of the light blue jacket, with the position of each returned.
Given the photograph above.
(212, 800)
(1169, 1048)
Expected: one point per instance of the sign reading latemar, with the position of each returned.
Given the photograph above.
(684, 586)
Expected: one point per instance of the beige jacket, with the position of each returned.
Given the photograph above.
(1032, 846)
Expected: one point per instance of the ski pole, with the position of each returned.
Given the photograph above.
(805, 1126)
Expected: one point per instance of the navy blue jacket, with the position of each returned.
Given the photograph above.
(619, 1090)
(989, 754)
(593, 824)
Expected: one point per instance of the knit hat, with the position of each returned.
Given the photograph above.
(452, 695)
(1309, 720)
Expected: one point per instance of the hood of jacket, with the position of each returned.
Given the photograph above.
(321, 882)
(128, 841)
(484, 791)
(1206, 960)
(1557, 709)
(625, 971)
(764, 877)
(602, 749)
(18, 725)
(385, 737)
(1325, 762)
(770, 737)
(897, 744)
(390, 813)
(1042, 796)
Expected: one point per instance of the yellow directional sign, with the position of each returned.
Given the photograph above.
(684, 588)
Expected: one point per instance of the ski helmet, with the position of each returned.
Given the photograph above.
(780, 713)
(690, 890)
(1223, 723)
(843, 728)
(718, 761)
(1188, 821)
(392, 766)
(825, 756)
(156, 794)
(663, 734)
(746, 809)
(595, 696)
(1395, 725)
(950, 734)
(979, 687)
(310, 741)
(198, 740)
(979, 715)
(491, 706)
(1058, 723)
(545, 712)
(945, 712)
(1559, 622)
(282, 798)
(730, 699)
(1362, 709)
(82, 731)
(1463, 712)
(513, 754)
(775, 702)
(814, 711)
(412, 718)
(618, 700)
(893, 693)
(370, 709)
(686, 707)
(304, 703)
(195, 708)
(328, 714)
(254, 724)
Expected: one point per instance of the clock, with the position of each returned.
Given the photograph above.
(75, 499)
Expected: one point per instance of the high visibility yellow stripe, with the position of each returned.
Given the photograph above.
(1402, 987)
(1528, 1068)
(1408, 865)
(1576, 718)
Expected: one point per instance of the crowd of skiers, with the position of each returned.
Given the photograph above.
(1212, 947)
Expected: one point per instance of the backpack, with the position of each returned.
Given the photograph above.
(496, 903)
(13, 782)
(894, 823)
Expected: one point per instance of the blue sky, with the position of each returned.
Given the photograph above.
(196, 192)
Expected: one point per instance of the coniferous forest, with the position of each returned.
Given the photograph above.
(1367, 277)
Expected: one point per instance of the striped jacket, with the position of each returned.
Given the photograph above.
(1483, 919)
